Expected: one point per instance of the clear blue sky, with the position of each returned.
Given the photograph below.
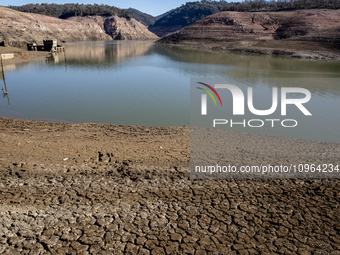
(153, 7)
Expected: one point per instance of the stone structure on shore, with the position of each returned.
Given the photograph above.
(49, 45)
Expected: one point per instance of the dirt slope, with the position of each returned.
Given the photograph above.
(265, 32)
(17, 28)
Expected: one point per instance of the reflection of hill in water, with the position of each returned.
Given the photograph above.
(102, 54)
(260, 65)
(255, 68)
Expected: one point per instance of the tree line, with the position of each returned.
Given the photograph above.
(64, 11)
(279, 5)
(190, 12)
(144, 18)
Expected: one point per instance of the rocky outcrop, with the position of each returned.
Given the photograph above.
(17, 28)
(264, 32)
(119, 28)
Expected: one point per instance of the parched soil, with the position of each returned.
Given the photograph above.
(108, 189)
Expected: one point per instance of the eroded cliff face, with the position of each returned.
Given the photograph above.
(17, 28)
(124, 29)
(119, 28)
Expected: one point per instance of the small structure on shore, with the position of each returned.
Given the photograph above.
(49, 45)
(7, 56)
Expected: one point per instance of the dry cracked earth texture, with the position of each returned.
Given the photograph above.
(108, 198)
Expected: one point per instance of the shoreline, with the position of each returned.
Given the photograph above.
(21, 55)
(164, 146)
(24, 56)
(234, 47)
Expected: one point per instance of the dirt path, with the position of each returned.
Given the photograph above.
(107, 189)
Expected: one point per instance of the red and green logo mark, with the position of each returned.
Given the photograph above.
(209, 93)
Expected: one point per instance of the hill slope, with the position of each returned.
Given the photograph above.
(185, 15)
(18, 28)
(265, 32)
(142, 17)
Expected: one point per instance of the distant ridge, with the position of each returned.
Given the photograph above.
(144, 18)
(185, 15)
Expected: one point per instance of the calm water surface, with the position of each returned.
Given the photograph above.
(141, 83)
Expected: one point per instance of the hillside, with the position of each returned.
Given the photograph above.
(185, 15)
(18, 28)
(64, 11)
(144, 18)
(312, 33)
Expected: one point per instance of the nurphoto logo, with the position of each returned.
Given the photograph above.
(239, 105)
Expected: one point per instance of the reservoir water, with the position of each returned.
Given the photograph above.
(142, 83)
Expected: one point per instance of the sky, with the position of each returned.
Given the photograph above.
(152, 7)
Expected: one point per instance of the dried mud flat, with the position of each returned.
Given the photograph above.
(107, 189)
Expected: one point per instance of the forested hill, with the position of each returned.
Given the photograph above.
(281, 5)
(64, 11)
(144, 18)
(189, 13)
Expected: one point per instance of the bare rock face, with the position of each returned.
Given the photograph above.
(127, 29)
(18, 28)
(119, 28)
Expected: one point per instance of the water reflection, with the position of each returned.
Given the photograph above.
(236, 65)
(4, 88)
(209, 63)
(252, 65)
(99, 54)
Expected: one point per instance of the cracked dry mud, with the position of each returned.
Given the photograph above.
(105, 189)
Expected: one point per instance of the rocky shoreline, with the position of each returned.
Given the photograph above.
(109, 189)
(269, 51)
